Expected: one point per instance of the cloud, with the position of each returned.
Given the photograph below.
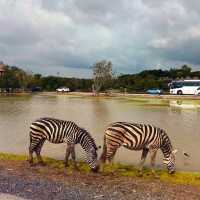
(42, 35)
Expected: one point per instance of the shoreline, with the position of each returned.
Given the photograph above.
(125, 95)
(111, 95)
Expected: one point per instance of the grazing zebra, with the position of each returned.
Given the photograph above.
(143, 137)
(60, 131)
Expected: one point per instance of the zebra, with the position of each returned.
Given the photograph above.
(61, 131)
(135, 136)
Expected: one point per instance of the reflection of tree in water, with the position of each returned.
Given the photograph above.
(176, 110)
(175, 106)
(179, 102)
(101, 117)
(100, 110)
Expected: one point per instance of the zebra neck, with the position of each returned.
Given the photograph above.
(166, 146)
(166, 152)
(86, 148)
(86, 142)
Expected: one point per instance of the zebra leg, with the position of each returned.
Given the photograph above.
(104, 152)
(103, 155)
(111, 157)
(32, 147)
(38, 151)
(30, 156)
(111, 153)
(153, 159)
(143, 158)
(34, 144)
(73, 156)
(67, 155)
(108, 155)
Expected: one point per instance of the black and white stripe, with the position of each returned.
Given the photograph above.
(135, 136)
(60, 131)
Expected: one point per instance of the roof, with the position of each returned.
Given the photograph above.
(188, 80)
(2, 67)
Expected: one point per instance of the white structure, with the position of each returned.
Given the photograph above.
(2, 69)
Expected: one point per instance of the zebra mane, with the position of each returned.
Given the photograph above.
(91, 138)
(166, 145)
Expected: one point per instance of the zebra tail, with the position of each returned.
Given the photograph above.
(30, 137)
(31, 143)
(103, 155)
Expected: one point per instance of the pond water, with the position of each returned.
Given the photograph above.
(181, 120)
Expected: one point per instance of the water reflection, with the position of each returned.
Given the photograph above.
(181, 104)
(94, 114)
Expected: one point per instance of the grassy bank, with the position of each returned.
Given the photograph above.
(186, 178)
(176, 101)
(132, 95)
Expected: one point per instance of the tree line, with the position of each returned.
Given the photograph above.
(156, 78)
(16, 79)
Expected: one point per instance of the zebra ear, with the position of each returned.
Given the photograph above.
(175, 151)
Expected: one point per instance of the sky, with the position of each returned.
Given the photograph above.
(66, 37)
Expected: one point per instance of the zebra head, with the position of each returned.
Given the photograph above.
(92, 159)
(170, 162)
(88, 144)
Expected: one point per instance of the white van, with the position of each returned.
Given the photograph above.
(63, 89)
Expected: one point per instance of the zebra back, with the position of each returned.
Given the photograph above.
(54, 130)
(138, 136)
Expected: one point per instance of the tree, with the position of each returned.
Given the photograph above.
(102, 75)
(185, 71)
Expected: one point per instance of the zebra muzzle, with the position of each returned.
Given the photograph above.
(95, 169)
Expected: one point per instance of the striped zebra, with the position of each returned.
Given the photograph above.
(135, 136)
(60, 131)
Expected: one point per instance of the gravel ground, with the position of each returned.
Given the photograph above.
(43, 183)
(38, 189)
(4, 196)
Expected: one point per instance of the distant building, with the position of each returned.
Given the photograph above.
(2, 69)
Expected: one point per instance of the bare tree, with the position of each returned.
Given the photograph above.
(102, 75)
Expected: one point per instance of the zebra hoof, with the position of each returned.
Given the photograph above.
(42, 164)
(156, 176)
(140, 173)
(76, 168)
(66, 165)
(95, 170)
(32, 164)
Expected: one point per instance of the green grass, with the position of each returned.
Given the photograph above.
(180, 177)
(7, 156)
(186, 178)
(58, 164)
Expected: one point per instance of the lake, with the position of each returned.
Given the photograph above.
(179, 118)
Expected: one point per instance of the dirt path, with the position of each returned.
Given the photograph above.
(16, 177)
